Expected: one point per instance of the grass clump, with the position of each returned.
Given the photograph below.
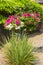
(18, 51)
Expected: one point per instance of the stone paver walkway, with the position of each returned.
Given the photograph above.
(37, 41)
(2, 59)
(40, 57)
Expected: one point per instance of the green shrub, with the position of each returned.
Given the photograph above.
(2, 19)
(19, 51)
(19, 6)
(10, 6)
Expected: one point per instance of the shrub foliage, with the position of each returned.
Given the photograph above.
(19, 7)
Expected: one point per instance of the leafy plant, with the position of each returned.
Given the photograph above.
(19, 6)
(28, 21)
(2, 19)
(10, 6)
(19, 51)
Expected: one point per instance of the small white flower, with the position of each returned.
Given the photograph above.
(18, 27)
(24, 29)
(10, 26)
(22, 24)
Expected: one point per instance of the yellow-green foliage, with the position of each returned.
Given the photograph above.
(19, 6)
(11, 5)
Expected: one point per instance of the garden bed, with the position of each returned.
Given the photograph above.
(6, 33)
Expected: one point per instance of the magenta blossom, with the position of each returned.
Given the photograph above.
(17, 22)
(28, 14)
(37, 15)
(9, 20)
(37, 19)
(12, 18)
(25, 15)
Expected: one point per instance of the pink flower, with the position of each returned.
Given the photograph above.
(28, 14)
(37, 19)
(25, 15)
(12, 18)
(9, 20)
(37, 15)
(17, 22)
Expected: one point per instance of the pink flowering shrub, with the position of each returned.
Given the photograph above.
(9, 20)
(32, 21)
(28, 21)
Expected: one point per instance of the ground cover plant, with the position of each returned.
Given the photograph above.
(18, 51)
